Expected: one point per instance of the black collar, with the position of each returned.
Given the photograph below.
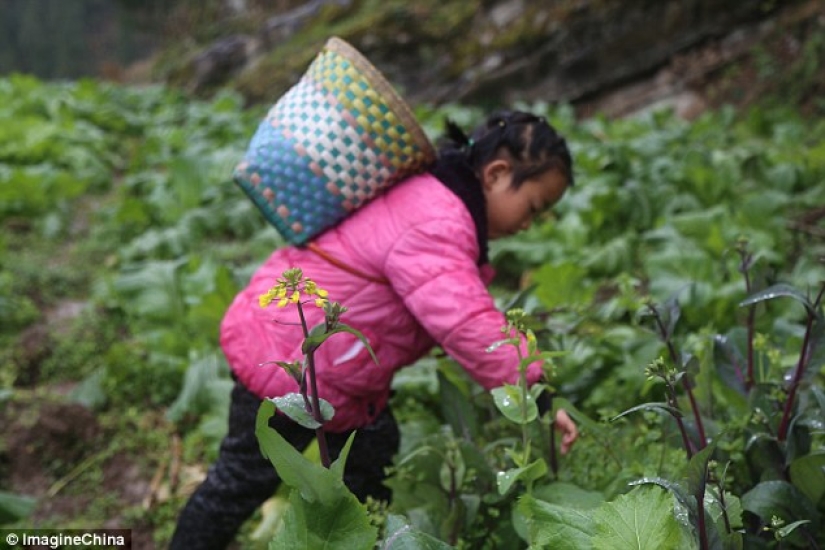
(453, 170)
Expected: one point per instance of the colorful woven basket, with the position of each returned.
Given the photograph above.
(334, 141)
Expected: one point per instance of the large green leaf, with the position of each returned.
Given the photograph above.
(764, 454)
(202, 370)
(729, 508)
(561, 527)
(696, 473)
(533, 471)
(612, 258)
(568, 494)
(731, 367)
(778, 291)
(780, 499)
(292, 405)
(152, 291)
(685, 499)
(808, 475)
(14, 507)
(315, 483)
(457, 407)
(339, 523)
(400, 535)
(317, 336)
(563, 285)
(514, 405)
(640, 520)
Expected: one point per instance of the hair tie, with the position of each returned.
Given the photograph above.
(502, 123)
(470, 142)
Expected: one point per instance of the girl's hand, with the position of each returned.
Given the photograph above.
(567, 428)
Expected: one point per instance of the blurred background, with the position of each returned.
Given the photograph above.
(601, 56)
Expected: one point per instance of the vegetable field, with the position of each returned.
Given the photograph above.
(679, 284)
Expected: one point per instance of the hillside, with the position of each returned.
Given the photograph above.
(600, 56)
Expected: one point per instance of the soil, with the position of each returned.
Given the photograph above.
(58, 452)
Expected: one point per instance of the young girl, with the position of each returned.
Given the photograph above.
(411, 267)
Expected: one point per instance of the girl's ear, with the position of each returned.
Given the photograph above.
(495, 172)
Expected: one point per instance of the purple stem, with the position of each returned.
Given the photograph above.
(685, 384)
(800, 368)
(316, 404)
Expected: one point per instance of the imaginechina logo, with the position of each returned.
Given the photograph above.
(86, 539)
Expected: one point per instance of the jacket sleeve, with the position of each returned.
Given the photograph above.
(432, 267)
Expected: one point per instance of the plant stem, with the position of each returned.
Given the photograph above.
(665, 436)
(749, 381)
(453, 538)
(724, 507)
(700, 512)
(78, 470)
(671, 394)
(554, 462)
(522, 378)
(696, 415)
(320, 434)
(800, 368)
(315, 409)
(686, 385)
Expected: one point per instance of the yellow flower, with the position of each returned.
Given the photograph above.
(290, 288)
(532, 345)
(310, 287)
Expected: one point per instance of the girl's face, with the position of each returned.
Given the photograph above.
(512, 210)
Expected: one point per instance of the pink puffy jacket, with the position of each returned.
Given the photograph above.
(421, 238)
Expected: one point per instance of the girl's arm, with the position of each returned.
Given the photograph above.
(432, 267)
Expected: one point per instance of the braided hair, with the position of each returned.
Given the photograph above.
(531, 144)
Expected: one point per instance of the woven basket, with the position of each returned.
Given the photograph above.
(334, 141)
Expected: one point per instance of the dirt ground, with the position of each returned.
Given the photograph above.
(60, 453)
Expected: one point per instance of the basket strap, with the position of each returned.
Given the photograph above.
(341, 265)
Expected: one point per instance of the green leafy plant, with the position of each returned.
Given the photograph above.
(779, 434)
(13, 506)
(320, 502)
(118, 199)
(322, 511)
(518, 403)
(307, 408)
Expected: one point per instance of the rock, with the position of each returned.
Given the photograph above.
(282, 27)
(502, 51)
(217, 63)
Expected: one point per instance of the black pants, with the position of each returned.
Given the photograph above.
(242, 479)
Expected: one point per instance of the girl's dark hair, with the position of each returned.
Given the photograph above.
(532, 144)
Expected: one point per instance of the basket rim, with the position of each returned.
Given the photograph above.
(378, 80)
